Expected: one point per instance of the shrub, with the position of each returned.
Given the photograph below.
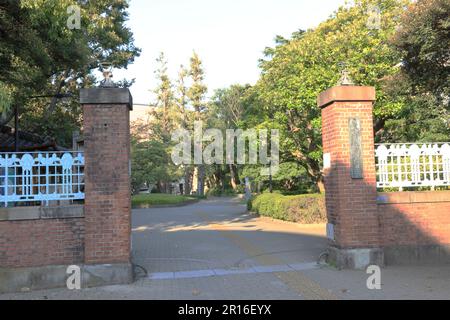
(153, 199)
(305, 208)
(218, 192)
(215, 192)
(240, 189)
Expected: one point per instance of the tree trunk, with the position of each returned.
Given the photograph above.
(201, 180)
(54, 100)
(187, 180)
(320, 185)
(313, 170)
(234, 176)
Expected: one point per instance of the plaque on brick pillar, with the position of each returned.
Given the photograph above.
(350, 193)
(356, 159)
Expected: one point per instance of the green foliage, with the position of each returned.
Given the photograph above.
(240, 189)
(423, 83)
(151, 138)
(227, 192)
(406, 60)
(196, 92)
(227, 107)
(298, 69)
(156, 199)
(214, 192)
(299, 208)
(423, 119)
(59, 124)
(5, 98)
(40, 55)
(150, 164)
(227, 110)
(423, 40)
(165, 112)
(290, 178)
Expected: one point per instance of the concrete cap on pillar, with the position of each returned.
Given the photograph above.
(106, 96)
(346, 93)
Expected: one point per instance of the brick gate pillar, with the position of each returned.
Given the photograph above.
(350, 176)
(106, 128)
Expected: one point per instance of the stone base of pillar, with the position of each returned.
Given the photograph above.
(357, 259)
(55, 276)
(430, 254)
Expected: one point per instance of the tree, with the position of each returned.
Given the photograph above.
(290, 178)
(182, 104)
(182, 97)
(155, 132)
(5, 101)
(41, 55)
(298, 69)
(165, 106)
(150, 164)
(226, 111)
(423, 83)
(196, 94)
(423, 39)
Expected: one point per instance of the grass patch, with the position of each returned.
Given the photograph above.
(304, 208)
(158, 199)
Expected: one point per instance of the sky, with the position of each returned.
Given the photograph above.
(228, 35)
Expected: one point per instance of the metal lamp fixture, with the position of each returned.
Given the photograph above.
(345, 79)
(106, 68)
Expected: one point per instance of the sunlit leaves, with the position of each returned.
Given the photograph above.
(297, 70)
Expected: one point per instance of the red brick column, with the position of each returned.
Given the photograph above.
(107, 175)
(351, 198)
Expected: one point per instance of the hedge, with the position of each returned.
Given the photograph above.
(305, 208)
(147, 200)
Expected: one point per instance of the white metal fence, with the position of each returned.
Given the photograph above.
(403, 165)
(41, 176)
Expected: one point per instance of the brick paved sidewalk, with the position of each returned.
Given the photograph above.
(214, 250)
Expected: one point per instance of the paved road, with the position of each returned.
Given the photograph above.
(215, 250)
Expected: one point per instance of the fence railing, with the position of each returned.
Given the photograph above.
(41, 176)
(406, 165)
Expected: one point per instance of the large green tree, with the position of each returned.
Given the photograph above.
(298, 69)
(196, 94)
(423, 83)
(181, 94)
(227, 110)
(41, 55)
(423, 38)
(165, 112)
(149, 163)
(155, 132)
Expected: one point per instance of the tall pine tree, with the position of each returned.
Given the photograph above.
(182, 103)
(196, 95)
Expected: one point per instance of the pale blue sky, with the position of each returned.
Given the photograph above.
(228, 35)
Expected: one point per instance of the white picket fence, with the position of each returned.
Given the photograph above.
(403, 165)
(41, 176)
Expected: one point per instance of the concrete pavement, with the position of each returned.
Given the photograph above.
(215, 250)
